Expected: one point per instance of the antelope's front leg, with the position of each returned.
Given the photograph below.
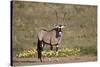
(57, 46)
(51, 47)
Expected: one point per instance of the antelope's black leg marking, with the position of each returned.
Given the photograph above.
(57, 47)
(51, 47)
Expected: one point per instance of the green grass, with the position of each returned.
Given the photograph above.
(88, 51)
(63, 52)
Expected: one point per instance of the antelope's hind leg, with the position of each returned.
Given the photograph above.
(43, 45)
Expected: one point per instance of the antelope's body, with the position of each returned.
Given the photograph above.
(52, 38)
(49, 37)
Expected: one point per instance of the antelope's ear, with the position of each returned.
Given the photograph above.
(62, 26)
(56, 26)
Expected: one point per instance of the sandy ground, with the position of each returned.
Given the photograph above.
(52, 60)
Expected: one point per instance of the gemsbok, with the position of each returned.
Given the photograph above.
(52, 38)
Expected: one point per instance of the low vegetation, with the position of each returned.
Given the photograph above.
(64, 52)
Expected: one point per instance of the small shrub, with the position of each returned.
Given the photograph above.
(48, 53)
(27, 53)
(60, 53)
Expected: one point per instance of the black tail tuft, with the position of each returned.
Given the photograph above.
(39, 49)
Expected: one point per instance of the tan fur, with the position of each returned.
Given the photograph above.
(49, 37)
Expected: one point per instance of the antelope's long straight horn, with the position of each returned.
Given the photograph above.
(56, 15)
(64, 16)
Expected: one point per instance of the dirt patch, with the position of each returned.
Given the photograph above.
(52, 60)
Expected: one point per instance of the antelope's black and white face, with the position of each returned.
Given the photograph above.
(59, 29)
